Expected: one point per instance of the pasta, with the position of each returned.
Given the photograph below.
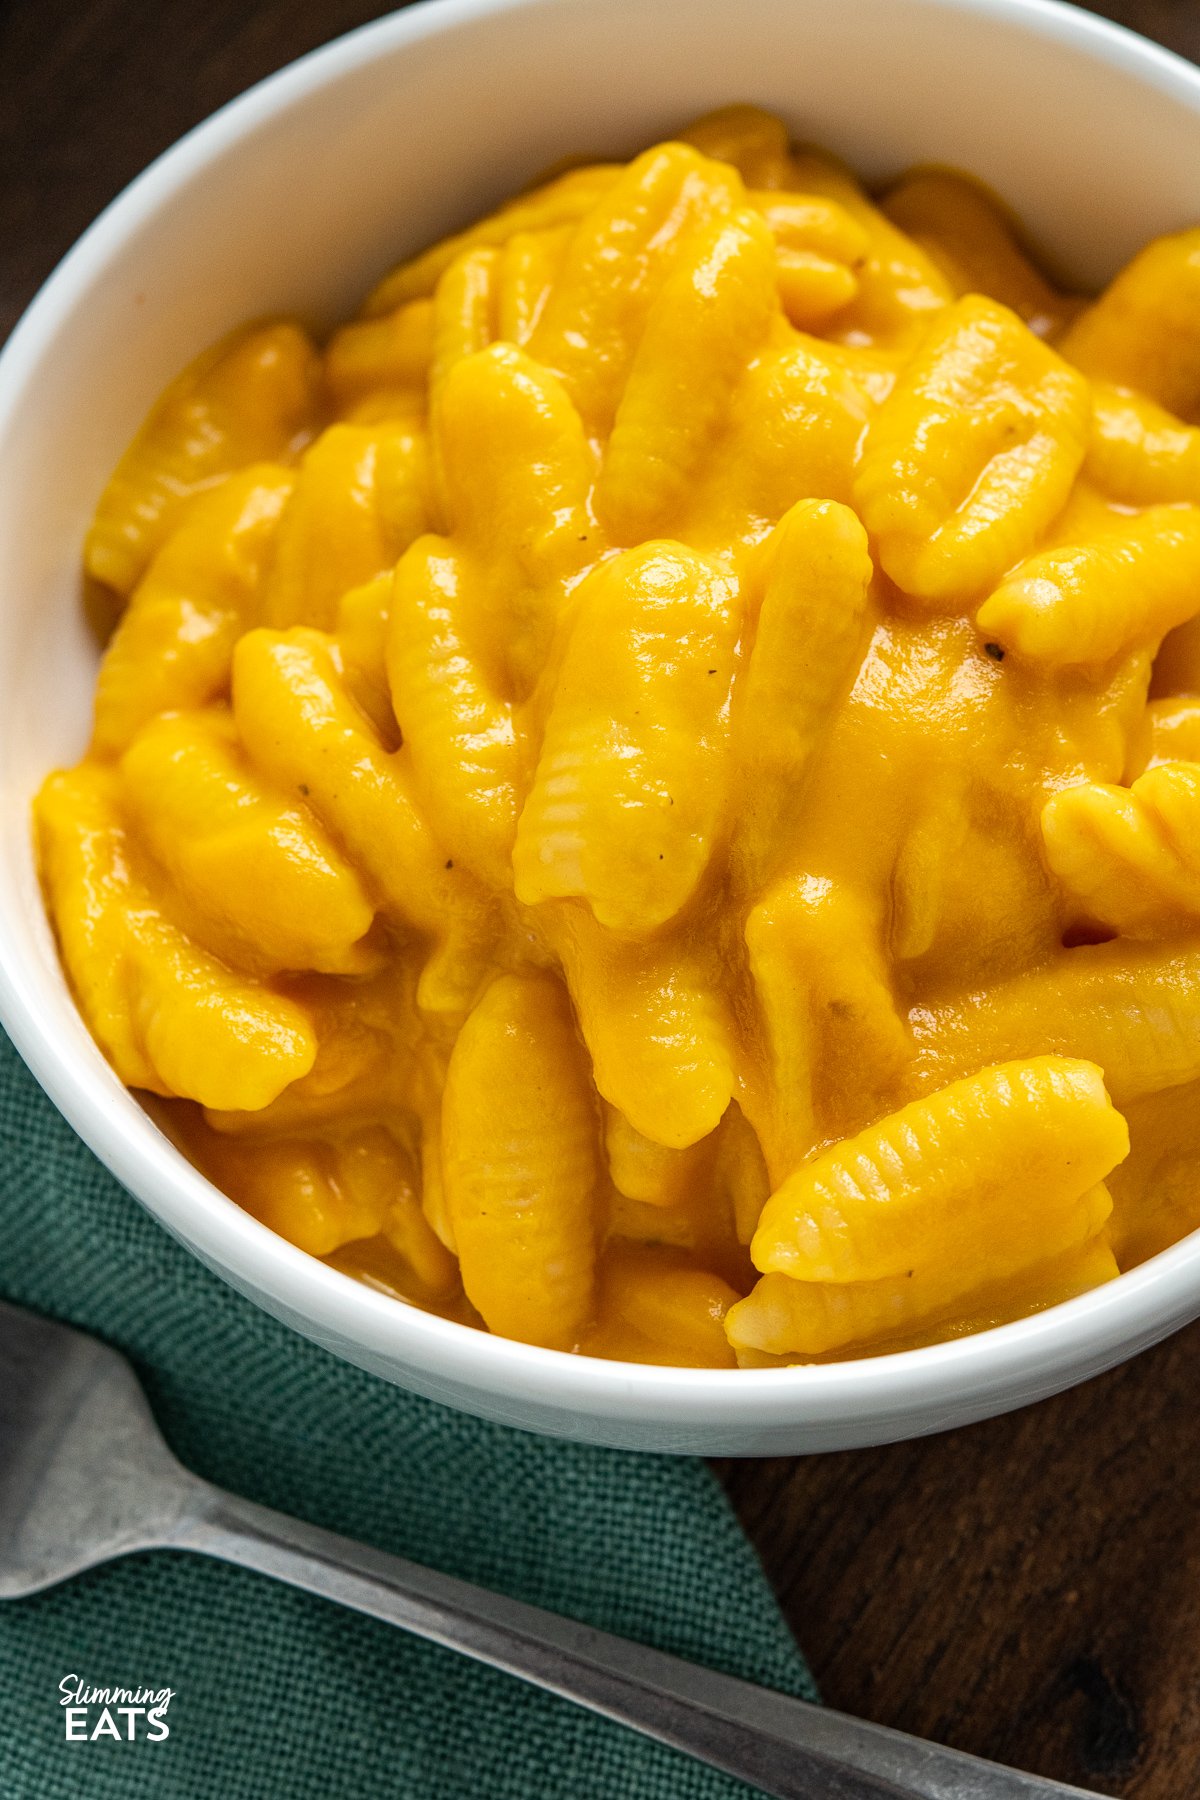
(645, 797)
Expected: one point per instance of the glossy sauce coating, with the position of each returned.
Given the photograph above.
(647, 796)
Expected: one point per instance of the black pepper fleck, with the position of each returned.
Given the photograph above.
(995, 651)
(449, 862)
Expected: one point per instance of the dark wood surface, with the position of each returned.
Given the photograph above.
(1028, 1589)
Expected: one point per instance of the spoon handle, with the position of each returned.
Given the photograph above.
(780, 1745)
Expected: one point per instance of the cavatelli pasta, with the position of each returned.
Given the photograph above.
(998, 1166)
(519, 1162)
(709, 319)
(646, 794)
(1086, 603)
(301, 727)
(172, 1018)
(972, 240)
(972, 454)
(824, 996)
(630, 787)
(464, 312)
(386, 356)
(463, 741)
(173, 645)
(361, 497)
(252, 398)
(754, 141)
(1130, 857)
(1132, 1008)
(820, 249)
(643, 1170)
(260, 882)
(656, 1028)
(516, 474)
(807, 636)
(1139, 454)
(782, 1317)
(1144, 330)
(590, 325)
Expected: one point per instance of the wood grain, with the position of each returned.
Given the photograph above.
(1028, 1589)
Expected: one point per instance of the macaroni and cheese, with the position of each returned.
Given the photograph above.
(646, 796)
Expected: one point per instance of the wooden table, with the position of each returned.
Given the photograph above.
(1028, 1589)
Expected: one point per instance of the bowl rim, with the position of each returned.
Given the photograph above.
(1104, 1325)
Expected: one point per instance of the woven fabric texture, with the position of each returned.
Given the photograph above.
(278, 1694)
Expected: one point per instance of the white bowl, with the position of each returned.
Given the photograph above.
(295, 198)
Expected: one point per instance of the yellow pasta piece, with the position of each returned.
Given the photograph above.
(1132, 1008)
(322, 1195)
(1156, 1191)
(1008, 1157)
(754, 141)
(172, 647)
(1144, 331)
(629, 790)
(516, 474)
(253, 398)
(262, 885)
(655, 1027)
(1139, 454)
(374, 1172)
(819, 975)
(519, 1163)
(87, 881)
(562, 201)
(794, 433)
(168, 1016)
(815, 223)
(516, 467)
(528, 269)
(1130, 857)
(1088, 602)
(1169, 733)
(388, 355)
(298, 723)
(924, 869)
(361, 498)
(967, 232)
(783, 1317)
(362, 1070)
(711, 316)
(820, 250)
(973, 454)
(464, 745)
(361, 633)
(591, 324)
(807, 643)
(900, 289)
(464, 311)
(292, 1188)
(655, 1307)
(643, 1170)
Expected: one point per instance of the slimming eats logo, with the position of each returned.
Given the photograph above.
(92, 1713)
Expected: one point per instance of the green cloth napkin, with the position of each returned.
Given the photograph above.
(278, 1694)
